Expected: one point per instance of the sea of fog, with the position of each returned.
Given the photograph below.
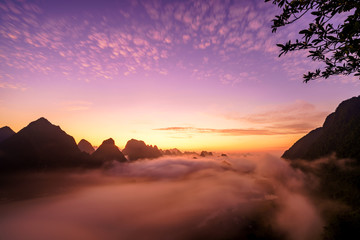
(237, 197)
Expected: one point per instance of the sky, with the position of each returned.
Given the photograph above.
(196, 75)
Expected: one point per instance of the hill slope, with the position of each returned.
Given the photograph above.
(136, 149)
(85, 146)
(41, 145)
(5, 132)
(108, 151)
(339, 134)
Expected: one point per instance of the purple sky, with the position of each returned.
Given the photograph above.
(187, 74)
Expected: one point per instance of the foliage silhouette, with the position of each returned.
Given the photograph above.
(336, 46)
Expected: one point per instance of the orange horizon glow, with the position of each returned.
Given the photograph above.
(193, 75)
(196, 142)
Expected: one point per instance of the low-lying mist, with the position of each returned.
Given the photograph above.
(235, 197)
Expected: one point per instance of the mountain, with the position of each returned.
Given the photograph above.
(136, 149)
(336, 180)
(173, 151)
(85, 146)
(41, 145)
(206, 154)
(108, 151)
(5, 132)
(339, 134)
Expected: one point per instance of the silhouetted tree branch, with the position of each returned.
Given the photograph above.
(336, 46)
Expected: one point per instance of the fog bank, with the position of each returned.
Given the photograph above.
(253, 197)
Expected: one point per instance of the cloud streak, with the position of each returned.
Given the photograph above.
(13, 86)
(275, 130)
(76, 105)
(297, 117)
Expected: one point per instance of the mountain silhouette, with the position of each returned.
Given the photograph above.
(136, 149)
(85, 146)
(5, 132)
(108, 151)
(339, 134)
(173, 151)
(206, 154)
(41, 145)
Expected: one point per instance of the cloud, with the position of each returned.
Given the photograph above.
(152, 8)
(208, 198)
(229, 131)
(13, 86)
(297, 117)
(76, 105)
(287, 112)
(91, 48)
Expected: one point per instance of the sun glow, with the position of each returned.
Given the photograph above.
(196, 85)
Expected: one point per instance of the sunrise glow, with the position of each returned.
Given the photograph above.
(179, 119)
(188, 74)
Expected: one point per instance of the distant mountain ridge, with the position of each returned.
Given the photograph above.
(40, 145)
(173, 151)
(5, 132)
(108, 151)
(340, 134)
(206, 154)
(86, 146)
(136, 149)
